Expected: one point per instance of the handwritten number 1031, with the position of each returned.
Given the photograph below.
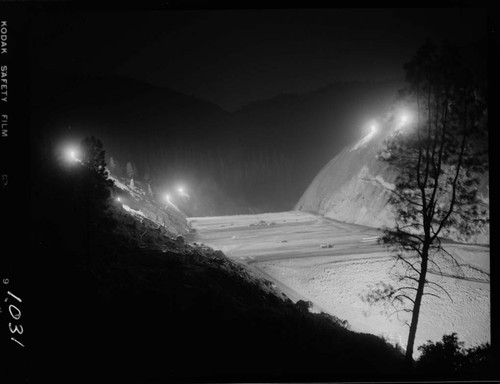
(15, 313)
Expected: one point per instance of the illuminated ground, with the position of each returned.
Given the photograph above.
(334, 264)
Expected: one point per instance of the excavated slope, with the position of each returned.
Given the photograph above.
(354, 187)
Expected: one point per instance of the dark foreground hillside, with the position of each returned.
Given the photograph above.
(187, 313)
(114, 299)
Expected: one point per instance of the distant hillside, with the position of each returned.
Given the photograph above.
(311, 128)
(260, 158)
(353, 187)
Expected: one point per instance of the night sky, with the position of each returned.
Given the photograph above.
(233, 57)
(244, 105)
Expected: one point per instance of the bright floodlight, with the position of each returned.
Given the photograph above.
(180, 190)
(72, 155)
(373, 128)
(167, 197)
(404, 117)
(118, 199)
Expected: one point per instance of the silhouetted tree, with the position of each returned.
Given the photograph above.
(440, 157)
(130, 170)
(115, 167)
(147, 174)
(304, 306)
(94, 173)
(449, 356)
(93, 155)
(112, 163)
(93, 190)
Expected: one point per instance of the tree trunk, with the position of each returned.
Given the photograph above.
(416, 306)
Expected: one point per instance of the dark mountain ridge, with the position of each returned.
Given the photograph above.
(259, 158)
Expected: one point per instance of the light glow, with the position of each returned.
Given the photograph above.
(404, 117)
(72, 155)
(373, 127)
(182, 192)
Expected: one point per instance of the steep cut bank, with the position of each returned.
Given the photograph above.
(355, 185)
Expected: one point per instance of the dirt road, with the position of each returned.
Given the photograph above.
(332, 264)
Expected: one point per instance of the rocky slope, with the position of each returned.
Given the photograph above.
(354, 187)
(136, 199)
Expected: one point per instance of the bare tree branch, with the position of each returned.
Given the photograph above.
(407, 277)
(405, 287)
(393, 191)
(408, 263)
(436, 284)
(397, 297)
(401, 310)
